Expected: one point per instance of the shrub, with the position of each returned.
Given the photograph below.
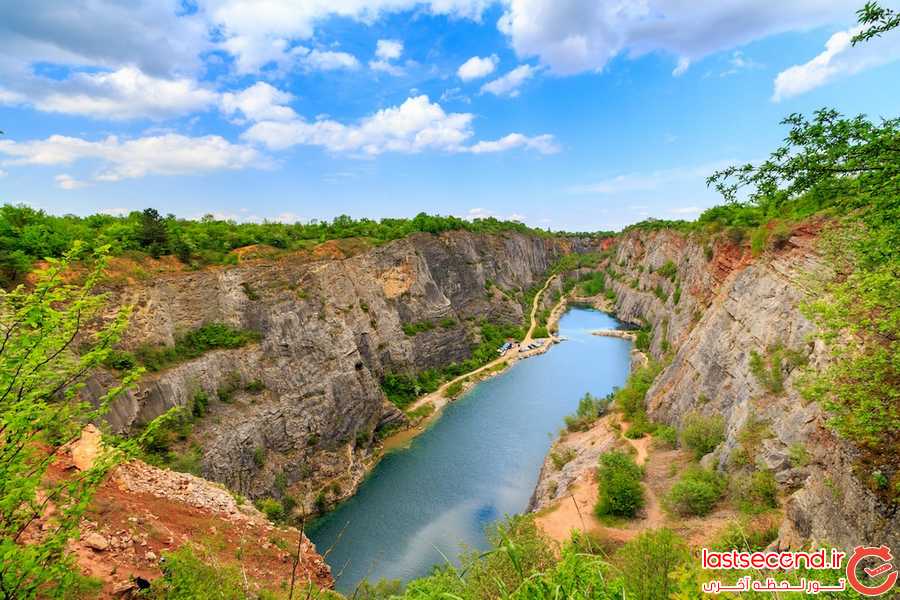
(669, 270)
(590, 408)
(666, 435)
(540, 332)
(701, 433)
(259, 457)
(562, 456)
(412, 329)
(273, 509)
(454, 390)
(745, 536)
(120, 360)
(676, 296)
(188, 576)
(798, 455)
(644, 337)
(620, 491)
(780, 235)
(194, 344)
(758, 240)
(255, 387)
(696, 492)
(647, 563)
(755, 492)
(750, 439)
(448, 322)
(735, 235)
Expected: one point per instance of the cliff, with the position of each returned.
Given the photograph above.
(716, 309)
(330, 327)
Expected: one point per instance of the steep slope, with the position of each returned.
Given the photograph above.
(330, 329)
(729, 307)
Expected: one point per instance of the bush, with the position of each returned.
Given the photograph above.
(666, 435)
(746, 537)
(412, 329)
(755, 492)
(194, 344)
(562, 456)
(453, 390)
(590, 408)
(701, 434)
(188, 576)
(669, 270)
(273, 509)
(647, 563)
(643, 339)
(620, 491)
(696, 492)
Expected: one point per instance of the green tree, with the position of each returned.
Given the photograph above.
(45, 355)
(878, 20)
(153, 235)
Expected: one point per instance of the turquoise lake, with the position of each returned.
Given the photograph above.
(477, 463)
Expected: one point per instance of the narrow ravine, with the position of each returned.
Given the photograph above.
(479, 461)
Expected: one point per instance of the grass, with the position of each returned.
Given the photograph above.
(212, 336)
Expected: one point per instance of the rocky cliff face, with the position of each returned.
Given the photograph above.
(330, 328)
(719, 307)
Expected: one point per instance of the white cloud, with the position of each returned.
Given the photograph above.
(739, 62)
(2, 173)
(126, 93)
(389, 49)
(839, 59)
(260, 33)
(681, 68)
(154, 37)
(169, 154)
(259, 102)
(115, 212)
(477, 67)
(324, 60)
(67, 182)
(416, 125)
(509, 84)
(545, 144)
(385, 52)
(583, 35)
(386, 67)
(686, 210)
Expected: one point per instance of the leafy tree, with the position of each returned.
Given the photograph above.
(878, 19)
(153, 235)
(45, 355)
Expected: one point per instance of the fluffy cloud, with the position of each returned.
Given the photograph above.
(545, 144)
(509, 84)
(67, 182)
(127, 93)
(385, 52)
(416, 125)
(583, 35)
(260, 33)
(155, 37)
(323, 60)
(259, 102)
(655, 181)
(839, 59)
(169, 154)
(389, 49)
(477, 67)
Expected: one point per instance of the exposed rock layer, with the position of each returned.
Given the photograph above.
(731, 305)
(330, 329)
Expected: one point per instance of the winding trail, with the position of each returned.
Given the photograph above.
(437, 395)
(438, 398)
(575, 511)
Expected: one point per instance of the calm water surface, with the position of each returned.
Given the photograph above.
(477, 463)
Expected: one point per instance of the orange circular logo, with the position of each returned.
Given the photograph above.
(883, 554)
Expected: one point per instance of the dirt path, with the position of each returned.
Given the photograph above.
(576, 510)
(438, 398)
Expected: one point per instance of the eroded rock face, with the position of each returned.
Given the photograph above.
(330, 329)
(730, 305)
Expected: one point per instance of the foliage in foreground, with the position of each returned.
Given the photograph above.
(620, 491)
(40, 412)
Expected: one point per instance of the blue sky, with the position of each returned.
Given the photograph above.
(572, 115)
